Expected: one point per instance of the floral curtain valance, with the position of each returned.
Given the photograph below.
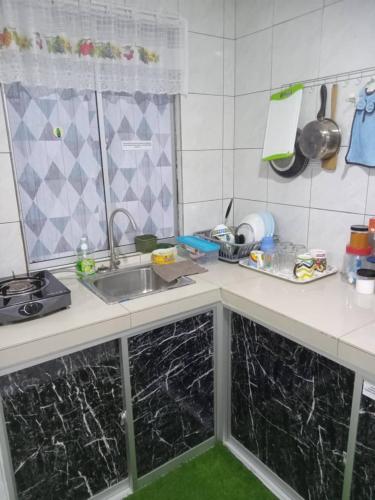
(87, 45)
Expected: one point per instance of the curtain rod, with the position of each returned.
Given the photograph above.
(337, 77)
(117, 7)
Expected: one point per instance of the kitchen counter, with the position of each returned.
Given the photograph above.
(328, 315)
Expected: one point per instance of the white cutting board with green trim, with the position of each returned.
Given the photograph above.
(282, 123)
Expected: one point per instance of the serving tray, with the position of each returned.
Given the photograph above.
(290, 277)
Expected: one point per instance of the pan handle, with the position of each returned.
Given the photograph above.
(323, 100)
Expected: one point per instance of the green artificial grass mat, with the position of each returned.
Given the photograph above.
(215, 475)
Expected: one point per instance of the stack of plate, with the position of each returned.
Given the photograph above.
(254, 227)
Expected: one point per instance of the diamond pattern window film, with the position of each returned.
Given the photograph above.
(141, 181)
(60, 179)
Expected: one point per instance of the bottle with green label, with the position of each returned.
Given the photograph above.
(85, 265)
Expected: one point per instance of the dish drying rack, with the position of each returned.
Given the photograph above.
(230, 252)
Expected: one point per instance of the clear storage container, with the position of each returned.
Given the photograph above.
(197, 249)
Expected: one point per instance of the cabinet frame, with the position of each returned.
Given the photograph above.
(281, 489)
(132, 482)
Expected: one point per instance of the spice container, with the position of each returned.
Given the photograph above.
(359, 237)
(365, 282)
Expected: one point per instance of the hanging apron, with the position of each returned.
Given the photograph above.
(362, 140)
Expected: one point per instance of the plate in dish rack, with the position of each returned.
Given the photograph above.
(290, 277)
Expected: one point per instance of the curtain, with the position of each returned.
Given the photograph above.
(88, 45)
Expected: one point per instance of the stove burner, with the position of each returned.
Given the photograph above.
(19, 286)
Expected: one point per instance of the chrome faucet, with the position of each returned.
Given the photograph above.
(114, 263)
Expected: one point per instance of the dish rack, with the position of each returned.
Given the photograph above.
(230, 252)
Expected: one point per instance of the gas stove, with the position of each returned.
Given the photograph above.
(30, 296)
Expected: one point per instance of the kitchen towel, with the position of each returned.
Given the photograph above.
(171, 272)
(362, 143)
(282, 123)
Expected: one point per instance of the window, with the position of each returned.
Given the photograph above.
(78, 155)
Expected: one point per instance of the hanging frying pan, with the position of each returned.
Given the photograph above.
(320, 139)
(293, 166)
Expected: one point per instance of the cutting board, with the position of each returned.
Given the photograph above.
(282, 122)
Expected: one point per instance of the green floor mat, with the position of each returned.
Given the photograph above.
(215, 475)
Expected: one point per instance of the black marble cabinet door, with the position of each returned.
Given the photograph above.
(363, 482)
(172, 383)
(291, 408)
(63, 424)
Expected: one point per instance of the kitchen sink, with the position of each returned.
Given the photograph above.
(130, 283)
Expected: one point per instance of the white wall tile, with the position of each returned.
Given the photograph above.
(228, 166)
(229, 64)
(342, 189)
(251, 113)
(253, 62)
(202, 175)
(295, 191)
(11, 250)
(201, 121)
(205, 64)
(4, 145)
(229, 18)
(348, 41)
(228, 131)
(293, 8)
(253, 15)
(291, 222)
(203, 215)
(250, 175)
(204, 17)
(370, 205)
(8, 200)
(246, 207)
(296, 46)
(331, 231)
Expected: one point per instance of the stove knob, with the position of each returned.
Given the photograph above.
(30, 309)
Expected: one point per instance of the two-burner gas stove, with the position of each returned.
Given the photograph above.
(30, 296)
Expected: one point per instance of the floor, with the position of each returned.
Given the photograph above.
(215, 475)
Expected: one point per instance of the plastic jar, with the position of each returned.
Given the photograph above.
(371, 234)
(354, 260)
(365, 282)
(359, 237)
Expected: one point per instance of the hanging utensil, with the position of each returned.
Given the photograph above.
(293, 166)
(228, 212)
(331, 163)
(320, 139)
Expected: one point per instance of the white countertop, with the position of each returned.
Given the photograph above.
(327, 315)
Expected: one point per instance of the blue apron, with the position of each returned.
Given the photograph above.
(362, 140)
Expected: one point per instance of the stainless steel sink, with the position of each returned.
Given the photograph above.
(130, 283)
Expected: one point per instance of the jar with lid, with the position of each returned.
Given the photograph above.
(359, 237)
(354, 259)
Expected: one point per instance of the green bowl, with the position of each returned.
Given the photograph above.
(162, 246)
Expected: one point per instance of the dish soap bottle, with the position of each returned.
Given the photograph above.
(85, 265)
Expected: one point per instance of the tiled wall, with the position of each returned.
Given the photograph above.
(279, 42)
(205, 149)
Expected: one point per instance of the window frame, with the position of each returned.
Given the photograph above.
(100, 255)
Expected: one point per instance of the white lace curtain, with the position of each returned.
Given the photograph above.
(86, 44)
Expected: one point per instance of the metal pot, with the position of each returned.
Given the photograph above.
(320, 139)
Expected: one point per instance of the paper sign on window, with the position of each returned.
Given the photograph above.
(136, 145)
(368, 390)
